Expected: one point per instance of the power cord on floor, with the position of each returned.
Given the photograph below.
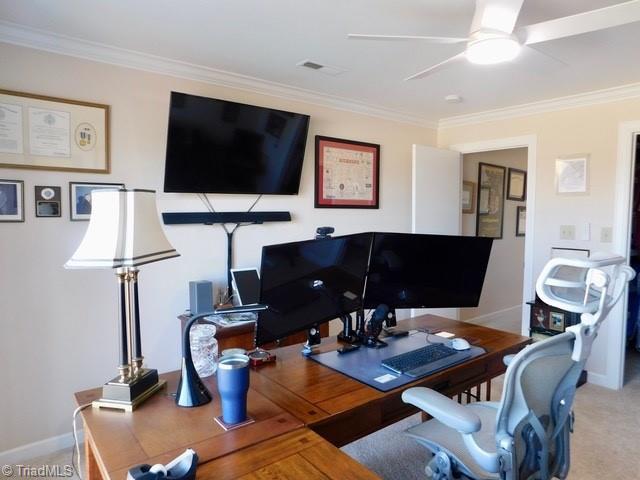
(76, 450)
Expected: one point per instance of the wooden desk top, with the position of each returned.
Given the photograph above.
(284, 397)
(158, 430)
(292, 456)
(323, 398)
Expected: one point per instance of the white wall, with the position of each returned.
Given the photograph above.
(502, 287)
(589, 129)
(58, 327)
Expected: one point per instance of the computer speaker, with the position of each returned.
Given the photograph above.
(200, 297)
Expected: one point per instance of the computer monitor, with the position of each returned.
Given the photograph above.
(410, 270)
(246, 283)
(310, 282)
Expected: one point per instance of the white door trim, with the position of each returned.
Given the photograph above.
(627, 132)
(530, 142)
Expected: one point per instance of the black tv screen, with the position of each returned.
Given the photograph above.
(409, 270)
(216, 146)
(310, 282)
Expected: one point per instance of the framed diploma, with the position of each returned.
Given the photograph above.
(48, 133)
(347, 174)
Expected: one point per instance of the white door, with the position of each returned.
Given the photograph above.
(436, 199)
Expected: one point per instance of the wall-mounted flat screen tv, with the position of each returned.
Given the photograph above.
(217, 146)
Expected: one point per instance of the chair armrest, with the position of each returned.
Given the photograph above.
(507, 359)
(442, 408)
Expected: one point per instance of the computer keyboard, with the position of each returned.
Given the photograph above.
(425, 360)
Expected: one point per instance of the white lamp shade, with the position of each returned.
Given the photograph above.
(124, 231)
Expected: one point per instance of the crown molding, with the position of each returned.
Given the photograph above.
(20, 35)
(586, 99)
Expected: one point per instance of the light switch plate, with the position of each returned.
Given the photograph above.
(606, 235)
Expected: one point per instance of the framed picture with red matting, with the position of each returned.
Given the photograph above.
(347, 173)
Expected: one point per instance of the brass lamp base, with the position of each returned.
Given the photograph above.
(129, 395)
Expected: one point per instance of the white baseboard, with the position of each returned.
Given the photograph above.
(493, 316)
(38, 449)
(601, 380)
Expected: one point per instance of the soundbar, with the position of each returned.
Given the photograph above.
(209, 218)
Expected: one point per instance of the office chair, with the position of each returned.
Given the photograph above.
(526, 434)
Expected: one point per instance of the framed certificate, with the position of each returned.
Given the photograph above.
(48, 133)
(347, 173)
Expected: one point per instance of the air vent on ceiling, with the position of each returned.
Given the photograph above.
(318, 67)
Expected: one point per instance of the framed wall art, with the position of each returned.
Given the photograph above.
(80, 198)
(49, 133)
(521, 221)
(468, 197)
(572, 174)
(11, 201)
(347, 173)
(48, 201)
(490, 218)
(516, 185)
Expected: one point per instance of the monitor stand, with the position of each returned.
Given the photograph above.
(347, 335)
(313, 341)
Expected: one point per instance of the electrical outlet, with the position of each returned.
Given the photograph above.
(606, 235)
(567, 232)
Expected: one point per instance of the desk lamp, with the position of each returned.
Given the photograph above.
(124, 232)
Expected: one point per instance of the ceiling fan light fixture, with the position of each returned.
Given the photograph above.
(488, 51)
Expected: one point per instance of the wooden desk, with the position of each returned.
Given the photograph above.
(285, 396)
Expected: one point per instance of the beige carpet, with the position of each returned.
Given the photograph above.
(605, 444)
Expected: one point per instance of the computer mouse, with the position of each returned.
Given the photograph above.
(459, 344)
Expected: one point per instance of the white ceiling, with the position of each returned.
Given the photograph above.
(266, 38)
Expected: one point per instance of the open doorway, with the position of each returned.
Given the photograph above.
(497, 212)
(632, 354)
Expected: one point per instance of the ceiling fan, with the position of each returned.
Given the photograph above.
(494, 39)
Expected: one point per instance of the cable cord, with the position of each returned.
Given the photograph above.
(76, 450)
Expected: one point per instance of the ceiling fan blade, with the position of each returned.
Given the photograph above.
(360, 36)
(496, 15)
(437, 67)
(586, 22)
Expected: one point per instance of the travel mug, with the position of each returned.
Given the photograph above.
(233, 385)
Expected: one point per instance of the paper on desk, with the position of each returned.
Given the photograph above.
(385, 378)
(445, 334)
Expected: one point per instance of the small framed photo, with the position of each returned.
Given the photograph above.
(521, 221)
(556, 321)
(540, 318)
(11, 201)
(516, 185)
(468, 197)
(572, 174)
(80, 198)
(48, 201)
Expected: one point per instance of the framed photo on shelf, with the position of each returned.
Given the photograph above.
(80, 198)
(556, 321)
(49, 133)
(490, 218)
(468, 197)
(521, 221)
(11, 201)
(48, 201)
(347, 173)
(516, 185)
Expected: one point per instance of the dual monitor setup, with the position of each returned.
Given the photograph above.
(307, 283)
